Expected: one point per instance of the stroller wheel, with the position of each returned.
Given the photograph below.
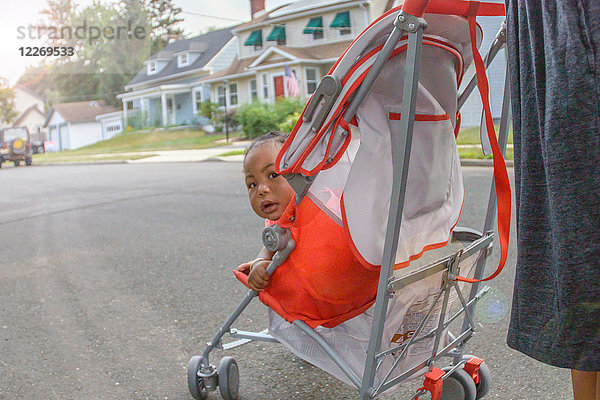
(485, 378)
(459, 386)
(196, 384)
(229, 378)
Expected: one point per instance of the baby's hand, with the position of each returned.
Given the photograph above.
(258, 279)
(245, 267)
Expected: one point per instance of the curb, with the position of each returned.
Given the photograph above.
(463, 163)
(483, 163)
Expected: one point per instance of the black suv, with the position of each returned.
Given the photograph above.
(15, 145)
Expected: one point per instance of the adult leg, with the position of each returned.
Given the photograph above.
(585, 385)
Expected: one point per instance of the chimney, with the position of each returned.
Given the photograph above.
(256, 6)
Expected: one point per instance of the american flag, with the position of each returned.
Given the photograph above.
(291, 83)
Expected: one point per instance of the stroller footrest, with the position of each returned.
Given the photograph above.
(247, 337)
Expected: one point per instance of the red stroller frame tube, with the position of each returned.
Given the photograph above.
(415, 7)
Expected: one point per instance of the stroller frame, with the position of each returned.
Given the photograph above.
(204, 377)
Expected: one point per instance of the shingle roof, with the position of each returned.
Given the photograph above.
(26, 113)
(82, 111)
(315, 53)
(290, 9)
(209, 44)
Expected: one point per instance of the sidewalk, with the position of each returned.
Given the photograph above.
(210, 154)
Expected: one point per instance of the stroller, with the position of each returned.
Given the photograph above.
(375, 167)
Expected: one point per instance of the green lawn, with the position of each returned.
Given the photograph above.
(151, 141)
(146, 142)
(471, 135)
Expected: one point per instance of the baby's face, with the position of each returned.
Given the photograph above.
(269, 193)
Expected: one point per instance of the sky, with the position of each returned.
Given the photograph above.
(17, 16)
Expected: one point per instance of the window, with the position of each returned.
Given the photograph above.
(221, 95)
(255, 39)
(311, 80)
(342, 23)
(197, 100)
(152, 68)
(277, 35)
(314, 28)
(265, 83)
(233, 94)
(253, 90)
(345, 31)
(113, 128)
(183, 60)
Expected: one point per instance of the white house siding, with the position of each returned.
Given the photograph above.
(24, 100)
(34, 122)
(110, 124)
(223, 58)
(294, 28)
(377, 8)
(57, 126)
(82, 134)
(471, 110)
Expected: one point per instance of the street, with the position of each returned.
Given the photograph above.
(113, 276)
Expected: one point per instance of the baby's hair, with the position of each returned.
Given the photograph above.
(271, 137)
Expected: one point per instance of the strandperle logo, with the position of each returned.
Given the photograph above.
(91, 33)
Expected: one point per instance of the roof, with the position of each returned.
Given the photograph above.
(26, 113)
(291, 9)
(81, 111)
(209, 44)
(315, 53)
(304, 5)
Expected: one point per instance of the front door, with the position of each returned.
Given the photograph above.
(170, 110)
(64, 140)
(279, 90)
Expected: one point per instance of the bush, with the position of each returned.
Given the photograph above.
(288, 125)
(208, 109)
(286, 107)
(257, 119)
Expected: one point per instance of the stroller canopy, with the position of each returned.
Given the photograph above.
(353, 159)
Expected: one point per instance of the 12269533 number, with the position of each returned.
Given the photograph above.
(46, 51)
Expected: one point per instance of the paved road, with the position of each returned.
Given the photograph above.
(112, 276)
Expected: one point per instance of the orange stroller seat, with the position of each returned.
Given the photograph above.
(321, 282)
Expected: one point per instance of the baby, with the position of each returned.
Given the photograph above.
(269, 195)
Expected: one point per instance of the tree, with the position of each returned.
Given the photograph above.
(8, 110)
(163, 15)
(101, 66)
(58, 14)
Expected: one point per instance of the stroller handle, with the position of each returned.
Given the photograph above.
(415, 7)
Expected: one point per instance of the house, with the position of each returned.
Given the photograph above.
(110, 124)
(306, 36)
(472, 109)
(73, 125)
(34, 119)
(167, 90)
(30, 107)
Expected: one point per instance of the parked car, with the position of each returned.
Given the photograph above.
(37, 147)
(15, 145)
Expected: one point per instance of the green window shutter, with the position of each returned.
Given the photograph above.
(277, 34)
(315, 24)
(255, 39)
(341, 20)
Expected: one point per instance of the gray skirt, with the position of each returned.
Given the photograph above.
(554, 54)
